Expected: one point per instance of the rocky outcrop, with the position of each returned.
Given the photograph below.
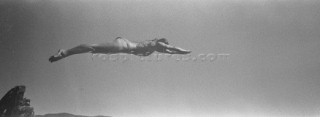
(13, 104)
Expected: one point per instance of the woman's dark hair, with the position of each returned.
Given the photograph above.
(164, 40)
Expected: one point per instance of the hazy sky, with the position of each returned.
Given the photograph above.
(273, 69)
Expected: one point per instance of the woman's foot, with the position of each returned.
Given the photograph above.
(58, 56)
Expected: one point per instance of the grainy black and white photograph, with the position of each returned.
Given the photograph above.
(159, 58)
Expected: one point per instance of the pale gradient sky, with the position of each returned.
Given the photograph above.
(273, 69)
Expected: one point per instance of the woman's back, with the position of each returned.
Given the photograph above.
(124, 44)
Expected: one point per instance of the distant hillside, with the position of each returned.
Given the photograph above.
(65, 115)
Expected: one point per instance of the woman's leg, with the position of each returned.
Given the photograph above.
(83, 48)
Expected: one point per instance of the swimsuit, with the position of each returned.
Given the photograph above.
(146, 47)
(141, 48)
(146, 44)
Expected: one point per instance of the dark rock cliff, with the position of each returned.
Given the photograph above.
(14, 104)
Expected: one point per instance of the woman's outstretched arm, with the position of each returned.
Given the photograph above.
(173, 50)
